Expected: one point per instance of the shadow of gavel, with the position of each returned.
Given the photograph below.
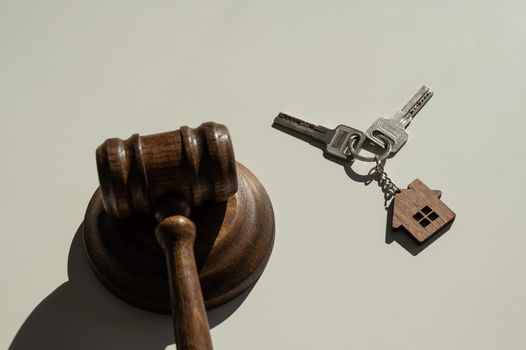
(178, 197)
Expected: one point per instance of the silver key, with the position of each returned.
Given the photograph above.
(394, 128)
(336, 141)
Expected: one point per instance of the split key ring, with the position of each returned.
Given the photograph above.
(355, 153)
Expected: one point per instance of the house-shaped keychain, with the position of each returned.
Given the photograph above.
(420, 211)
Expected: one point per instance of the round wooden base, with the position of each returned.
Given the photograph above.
(233, 245)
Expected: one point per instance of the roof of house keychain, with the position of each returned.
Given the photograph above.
(417, 209)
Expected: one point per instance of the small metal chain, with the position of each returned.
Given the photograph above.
(388, 187)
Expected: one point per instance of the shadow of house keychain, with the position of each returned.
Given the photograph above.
(418, 209)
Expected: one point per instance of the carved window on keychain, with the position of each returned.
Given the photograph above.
(425, 216)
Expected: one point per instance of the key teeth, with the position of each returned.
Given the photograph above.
(283, 116)
(300, 129)
(394, 128)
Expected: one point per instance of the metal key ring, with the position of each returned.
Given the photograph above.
(376, 158)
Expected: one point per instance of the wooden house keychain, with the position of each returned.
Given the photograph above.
(417, 209)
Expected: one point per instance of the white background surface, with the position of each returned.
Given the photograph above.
(75, 73)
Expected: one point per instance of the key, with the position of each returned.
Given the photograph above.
(336, 142)
(394, 128)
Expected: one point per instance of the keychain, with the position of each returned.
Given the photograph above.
(417, 209)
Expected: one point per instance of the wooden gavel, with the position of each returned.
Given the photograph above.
(197, 164)
(166, 176)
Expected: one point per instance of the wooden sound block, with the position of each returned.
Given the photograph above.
(233, 244)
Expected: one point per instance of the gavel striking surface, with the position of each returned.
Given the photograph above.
(233, 245)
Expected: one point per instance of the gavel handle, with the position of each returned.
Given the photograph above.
(176, 236)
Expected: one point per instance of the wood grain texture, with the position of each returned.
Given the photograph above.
(198, 164)
(167, 177)
(420, 211)
(234, 242)
(176, 235)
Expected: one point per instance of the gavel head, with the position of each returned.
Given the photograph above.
(136, 173)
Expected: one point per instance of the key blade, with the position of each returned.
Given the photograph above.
(335, 143)
(286, 120)
(415, 104)
(300, 128)
(394, 128)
